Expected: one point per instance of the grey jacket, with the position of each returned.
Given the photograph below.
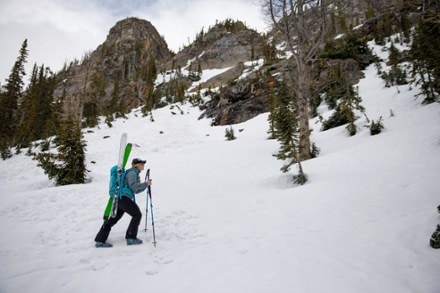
(132, 184)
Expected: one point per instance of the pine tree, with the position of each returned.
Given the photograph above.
(396, 76)
(67, 165)
(370, 12)
(271, 116)
(287, 132)
(426, 60)
(350, 102)
(230, 134)
(342, 20)
(90, 112)
(269, 50)
(9, 100)
(376, 127)
(117, 105)
(36, 109)
(71, 153)
(336, 88)
(46, 117)
(29, 112)
(90, 108)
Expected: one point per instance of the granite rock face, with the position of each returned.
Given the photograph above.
(134, 67)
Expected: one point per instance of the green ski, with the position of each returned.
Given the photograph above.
(124, 154)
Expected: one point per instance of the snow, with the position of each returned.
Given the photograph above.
(226, 218)
(206, 75)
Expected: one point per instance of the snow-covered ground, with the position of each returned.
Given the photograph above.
(226, 218)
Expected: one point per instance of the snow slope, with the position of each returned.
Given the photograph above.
(226, 218)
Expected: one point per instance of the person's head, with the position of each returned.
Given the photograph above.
(138, 163)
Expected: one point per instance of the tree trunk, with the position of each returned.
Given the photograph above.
(303, 115)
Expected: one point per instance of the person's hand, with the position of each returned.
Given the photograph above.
(149, 182)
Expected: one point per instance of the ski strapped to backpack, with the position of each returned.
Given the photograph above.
(120, 179)
(117, 177)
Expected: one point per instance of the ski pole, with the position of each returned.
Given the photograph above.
(147, 176)
(152, 217)
(151, 209)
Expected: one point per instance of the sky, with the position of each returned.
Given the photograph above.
(61, 31)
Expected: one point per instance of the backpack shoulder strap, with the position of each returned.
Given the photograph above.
(124, 174)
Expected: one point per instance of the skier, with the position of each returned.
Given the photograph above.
(126, 204)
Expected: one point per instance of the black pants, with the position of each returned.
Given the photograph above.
(125, 205)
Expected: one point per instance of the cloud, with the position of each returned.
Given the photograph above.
(57, 31)
(67, 16)
(60, 31)
(180, 21)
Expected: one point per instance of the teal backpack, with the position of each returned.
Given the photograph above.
(114, 185)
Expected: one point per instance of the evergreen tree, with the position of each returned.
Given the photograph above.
(90, 108)
(370, 12)
(345, 111)
(71, 153)
(426, 60)
(376, 127)
(350, 102)
(342, 19)
(180, 95)
(46, 119)
(29, 112)
(352, 45)
(396, 76)
(199, 69)
(149, 74)
(36, 108)
(195, 71)
(405, 26)
(271, 116)
(9, 100)
(67, 165)
(117, 106)
(112, 107)
(269, 50)
(287, 132)
(90, 112)
(336, 87)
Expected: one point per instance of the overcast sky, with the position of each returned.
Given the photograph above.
(59, 31)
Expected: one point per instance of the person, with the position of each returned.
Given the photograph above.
(126, 204)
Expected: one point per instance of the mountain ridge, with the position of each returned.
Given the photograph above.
(134, 67)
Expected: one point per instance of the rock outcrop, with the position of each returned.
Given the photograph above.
(120, 70)
(134, 67)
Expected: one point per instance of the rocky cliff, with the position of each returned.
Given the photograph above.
(134, 67)
(223, 45)
(121, 70)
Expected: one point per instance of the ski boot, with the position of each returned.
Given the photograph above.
(133, 241)
(102, 244)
